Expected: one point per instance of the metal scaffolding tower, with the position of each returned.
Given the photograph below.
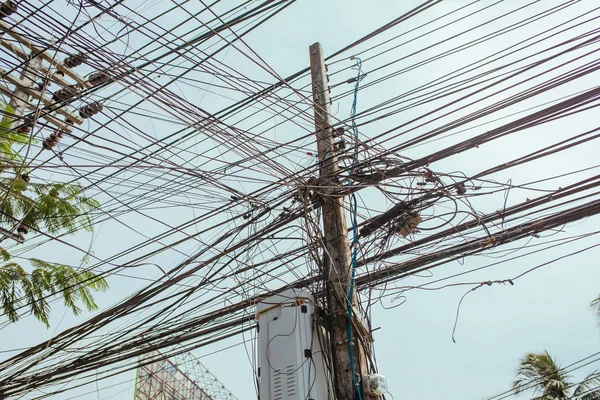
(181, 377)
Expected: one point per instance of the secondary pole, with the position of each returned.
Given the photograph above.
(337, 258)
(20, 98)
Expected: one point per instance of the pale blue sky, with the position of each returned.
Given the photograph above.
(547, 309)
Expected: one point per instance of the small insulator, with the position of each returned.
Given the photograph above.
(86, 111)
(59, 134)
(44, 84)
(50, 141)
(98, 78)
(25, 178)
(75, 60)
(69, 122)
(339, 146)
(7, 8)
(461, 189)
(23, 229)
(24, 129)
(26, 126)
(65, 94)
(90, 109)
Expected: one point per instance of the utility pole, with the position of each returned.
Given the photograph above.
(37, 64)
(20, 97)
(337, 257)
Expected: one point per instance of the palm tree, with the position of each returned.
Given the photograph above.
(540, 374)
(595, 305)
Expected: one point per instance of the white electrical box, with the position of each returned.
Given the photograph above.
(291, 360)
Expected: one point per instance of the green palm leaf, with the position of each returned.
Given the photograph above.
(47, 280)
(586, 388)
(54, 208)
(595, 305)
(539, 373)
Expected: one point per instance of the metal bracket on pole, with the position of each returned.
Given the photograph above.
(23, 86)
(40, 53)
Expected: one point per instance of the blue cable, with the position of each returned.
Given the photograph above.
(353, 213)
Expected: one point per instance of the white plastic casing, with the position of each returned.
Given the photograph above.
(290, 358)
(375, 384)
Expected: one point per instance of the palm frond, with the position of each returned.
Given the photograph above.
(539, 373)
(593, 395)
(595, 305)
(55, 208)
(5, 254)
(592, 381)
(17, 287)
(11, 275)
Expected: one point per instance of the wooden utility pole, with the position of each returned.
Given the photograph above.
(337, 257)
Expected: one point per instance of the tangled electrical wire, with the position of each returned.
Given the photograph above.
(212, 184)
